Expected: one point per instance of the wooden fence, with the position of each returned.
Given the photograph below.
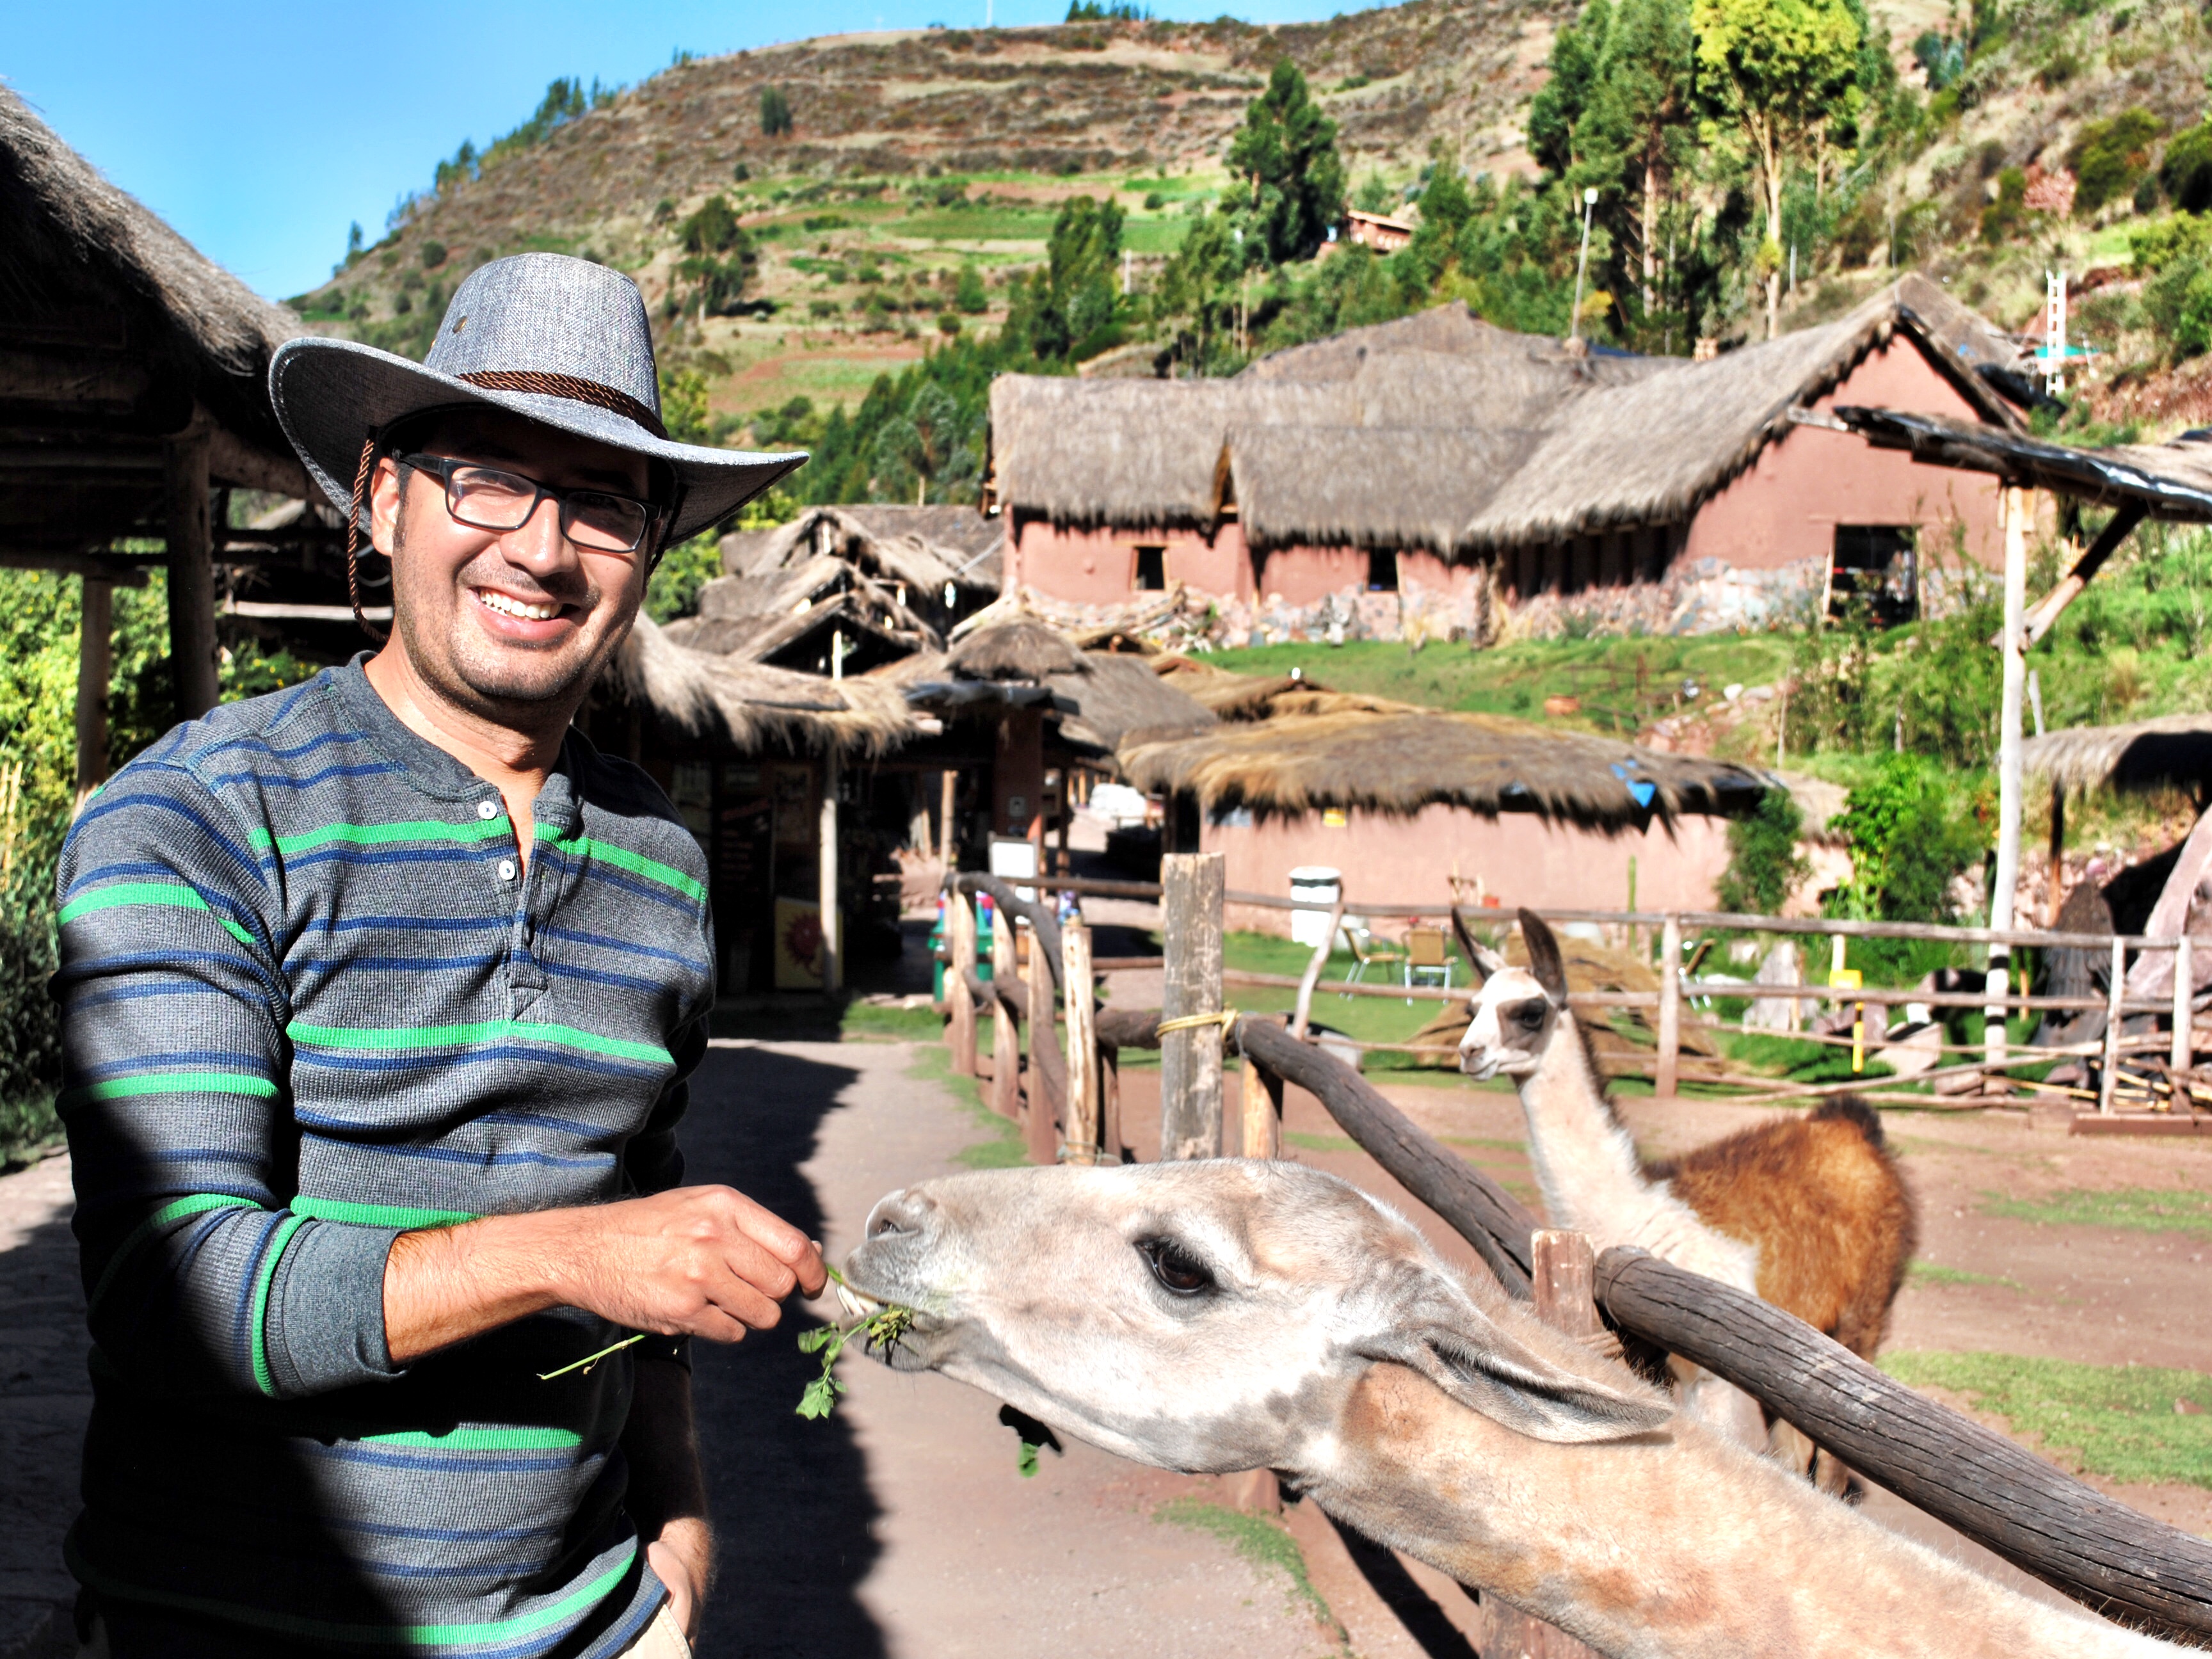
(2089, 1546)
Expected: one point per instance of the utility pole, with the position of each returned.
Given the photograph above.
(2006, 875)
(1582, 264)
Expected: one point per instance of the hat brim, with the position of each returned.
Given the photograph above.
(331, 395)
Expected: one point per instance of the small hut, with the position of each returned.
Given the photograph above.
(1401, 799)
(133, 377)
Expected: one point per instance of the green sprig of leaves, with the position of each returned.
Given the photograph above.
(883, 1329)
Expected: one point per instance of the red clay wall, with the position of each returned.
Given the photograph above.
(1099, 566)
(1786, 507)
(1523, 859)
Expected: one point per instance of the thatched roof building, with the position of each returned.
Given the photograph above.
(1399, 764)
(1440, 432)
(2169, 481)
(745, 707)
(2143, 757)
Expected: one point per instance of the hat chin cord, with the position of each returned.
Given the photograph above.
(353, 541)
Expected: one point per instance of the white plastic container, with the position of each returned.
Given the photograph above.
(1313, 884)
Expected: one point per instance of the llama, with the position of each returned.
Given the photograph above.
(1233, 1313)
(1811, 1214)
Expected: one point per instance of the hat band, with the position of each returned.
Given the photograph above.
(574, 388)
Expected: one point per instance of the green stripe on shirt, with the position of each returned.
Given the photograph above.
(176, 895)
(636, 863)
(478, 1440)
(380, 834)
(176, 1210)
(167, 1083)
(271, 1255)
(374, 1215)
(384, 1039)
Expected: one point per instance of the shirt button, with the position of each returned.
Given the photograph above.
(486, 809)
(507, 869)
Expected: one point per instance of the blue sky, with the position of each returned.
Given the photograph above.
(261, 131)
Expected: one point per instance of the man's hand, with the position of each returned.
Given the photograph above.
(698, 1261)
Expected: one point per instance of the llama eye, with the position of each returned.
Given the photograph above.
(1179, 1271)
(1529, 1015)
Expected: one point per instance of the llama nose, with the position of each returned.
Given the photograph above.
(902, 1213)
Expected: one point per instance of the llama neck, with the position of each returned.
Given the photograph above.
(1668, 1546)
(1585, 1162)
(1592, 1181)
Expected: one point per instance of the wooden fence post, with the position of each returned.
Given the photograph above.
(2184, 990)
(1044, 1107)
(1263, 1134)
(1006, 1032)
(1191, 888)
(1564, 1277)
(95, 668)
(1670, 1004)
(2116, 991)
(960, 933)
(1081, 1141)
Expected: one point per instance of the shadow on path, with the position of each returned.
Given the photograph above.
(793, 1510)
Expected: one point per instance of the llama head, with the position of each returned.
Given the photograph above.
(1516, 1009)
(1212, 1315)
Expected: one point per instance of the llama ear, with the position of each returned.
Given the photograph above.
(1481, 1365)
(1482, 962)
(1543, 959)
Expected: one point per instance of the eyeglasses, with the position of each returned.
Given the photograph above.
(491, 498)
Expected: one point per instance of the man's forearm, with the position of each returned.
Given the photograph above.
(697, 1261)
(667, 1498)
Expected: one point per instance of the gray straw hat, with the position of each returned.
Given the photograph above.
(560, 340)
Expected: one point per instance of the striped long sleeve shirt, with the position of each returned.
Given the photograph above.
(311, 999)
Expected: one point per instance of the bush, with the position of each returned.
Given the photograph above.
(970, 296)
(1911, 834)
(1763, 865)
(2110, 156)
(434, 254)
(774, 112)
(2186, 171)
(2001, 219)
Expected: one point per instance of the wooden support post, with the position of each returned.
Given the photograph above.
(960, 933)
(1043, 1120)
(1006, 1032)
(1670, 1005)
(2184, 986)
(949, 795)
(1109, 1102)
(96, 657)
(1565, 1279)
(2055, 889)
(1263, 1112)
(832, 939)
(2004, 885)
(191, 574)
(1078, 992)
(2124, 519)
(1191, 888)
(2111, 1079)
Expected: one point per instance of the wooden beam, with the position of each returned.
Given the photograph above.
(191, 575)
(1190, 1059)
(1670, 1005)
(1080, 1143)
(2047, 610)
(114, 571)
(1048, 1075)
(960, 934)
(96, 657)
(1006, 1034)
(50, 377)
(233, 460)
(833, 944)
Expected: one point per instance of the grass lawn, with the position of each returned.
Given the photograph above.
(2138, 1209)
(2119, 1421)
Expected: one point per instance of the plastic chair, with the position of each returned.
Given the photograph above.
(1367, 952)
(1427, 953)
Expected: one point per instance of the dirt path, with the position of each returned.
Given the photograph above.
(44, 1399)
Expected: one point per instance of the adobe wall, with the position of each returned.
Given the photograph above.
(1784, 508)
(1099, 566)
(1522, 858)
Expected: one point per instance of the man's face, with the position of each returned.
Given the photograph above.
(504, 620)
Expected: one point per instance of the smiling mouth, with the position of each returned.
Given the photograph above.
(545, 611)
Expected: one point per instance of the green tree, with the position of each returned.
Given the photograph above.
(2186, 171)
(774, 112)
(719, 258)
(1779, 71)
(969, 296)
(1285, 153)
(1197, 286)
(1636, 133)
(1559, 103)
(1068, 309)
(1764, 864)
(2110, 157)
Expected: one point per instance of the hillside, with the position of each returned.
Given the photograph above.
(922, 172)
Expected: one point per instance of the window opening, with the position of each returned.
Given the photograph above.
(1878, 563)
(1151, 570)
(1382, 571)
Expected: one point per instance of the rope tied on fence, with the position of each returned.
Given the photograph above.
(1224, 1020)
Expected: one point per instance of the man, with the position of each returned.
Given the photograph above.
(380, 995)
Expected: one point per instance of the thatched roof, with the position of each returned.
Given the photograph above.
(1232, 696)
(1400, 762)
(72, 245)
(2173, 752)
(1117, 700)
(767, 617)
(1023, 649)
(751, 706)
(924, 547)
(1443, 432)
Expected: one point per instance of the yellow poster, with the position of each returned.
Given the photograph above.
(798, 944)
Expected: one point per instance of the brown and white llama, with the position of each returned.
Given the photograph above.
(1810, 1213)
(1233, 1313)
